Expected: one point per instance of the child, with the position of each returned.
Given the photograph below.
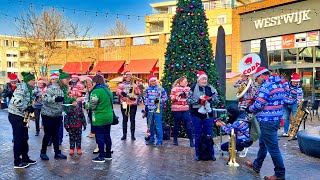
(73, 123)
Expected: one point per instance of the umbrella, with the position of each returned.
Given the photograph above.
(220, 59)
(263, 53)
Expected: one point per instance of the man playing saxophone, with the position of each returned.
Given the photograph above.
(20, 105)
(292, 97)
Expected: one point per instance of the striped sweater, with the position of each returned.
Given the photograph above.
(269, 102)
(129, 90)
(293, 94)
(152, 93)
(179, 103)
(241, 128)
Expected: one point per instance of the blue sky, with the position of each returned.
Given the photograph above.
(99, 22)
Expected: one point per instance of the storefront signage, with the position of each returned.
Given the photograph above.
(300, 40)
(288, 41)
(295, 17)
(249, 64)
(313, 38)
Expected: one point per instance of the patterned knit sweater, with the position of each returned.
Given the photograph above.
(269, 102)
(21, 99)
(241, 128)
(128, 88)
(50, 107)
(293, 94)
(179, 103)
(75, 118)
(152, 93)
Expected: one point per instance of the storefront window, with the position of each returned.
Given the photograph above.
(274, 57)
(305, 55)
(317, 49)
(306, 83)
(289, 56)
(317, 83)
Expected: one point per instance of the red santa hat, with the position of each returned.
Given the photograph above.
(40, 80)
(295, 77)
(152, 77)
(127, 73)
(74, 75)
(260, 71)
(201, 74)
(13, 77)
(89, 78)
(54, 76)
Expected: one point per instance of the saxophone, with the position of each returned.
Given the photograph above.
(232, 150)
(301, 115)
(27, 117)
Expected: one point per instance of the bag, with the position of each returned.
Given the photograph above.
(205, 145)
(254, 128)
(166, 131)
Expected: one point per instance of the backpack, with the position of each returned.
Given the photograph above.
(205, 143)
(254, 128)
(166, 131)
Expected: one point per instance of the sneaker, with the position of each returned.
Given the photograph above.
(71, 152)
(44, 157)
(37, 134)
(98, 160)
(243, 153)
(21, 165)
(60, 156)
(91, 135)
(79, 151)
(30, 162)
(108, 157)
(96, 150)
(285, 135)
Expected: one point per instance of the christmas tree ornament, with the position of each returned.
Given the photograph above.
(191, 6)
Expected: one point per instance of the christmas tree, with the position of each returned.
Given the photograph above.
(189, 50)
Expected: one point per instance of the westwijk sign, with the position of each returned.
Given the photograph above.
(295, 17)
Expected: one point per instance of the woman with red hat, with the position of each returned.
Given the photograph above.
(292, 97)
(9, 88)
(39, 91)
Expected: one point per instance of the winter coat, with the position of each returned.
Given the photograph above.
(100, 102)
(269, 102)
(50, 107)
(293, 95)
(75, 118)
(127, 88)
(21, 99)
(7, 92)
(179, 103)
(241, 128)
(152, 93)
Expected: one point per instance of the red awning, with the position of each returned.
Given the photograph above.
(76, 67)
(109, 66)
(143, 66)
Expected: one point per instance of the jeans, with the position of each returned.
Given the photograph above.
(202, 125)
(37, 118)
(240, 145)
(287, 110)
(268, 142)
(20, 138)
(155, 119)
(133, 111)
(185, 116)
(51, 126)
(103, 138)
(90, 119)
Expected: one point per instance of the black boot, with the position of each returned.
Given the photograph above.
(124, 137)
(132, 135)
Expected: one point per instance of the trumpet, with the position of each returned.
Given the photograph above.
(27, 117)
(232, 150)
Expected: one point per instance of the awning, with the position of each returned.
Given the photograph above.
(77, 67)
(143, 66)
(109, 66)
(230, 75)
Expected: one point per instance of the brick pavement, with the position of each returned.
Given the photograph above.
(135, 160)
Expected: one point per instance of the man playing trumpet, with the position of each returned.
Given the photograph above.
(128, 92)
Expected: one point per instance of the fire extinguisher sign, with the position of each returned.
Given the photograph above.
(249, 64)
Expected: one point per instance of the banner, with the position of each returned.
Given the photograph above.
(300, 40)
(288, 41)
(249, 64)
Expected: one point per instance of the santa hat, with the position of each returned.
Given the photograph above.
(201, 74)
(13, 77)
(152, 77)
(74, 75)
(127, 73)
(295, 77)
(260, 71)
(40, 80)
(89, 78)
(54, 76)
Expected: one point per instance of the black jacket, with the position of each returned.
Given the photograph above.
(7, 92)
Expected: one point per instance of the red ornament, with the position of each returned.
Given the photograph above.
(180, 39)
(191, 69)
(181, 9)
(199, 59)
(202, 52)
(199, 40)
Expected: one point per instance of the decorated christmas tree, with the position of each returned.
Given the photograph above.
(188, 50)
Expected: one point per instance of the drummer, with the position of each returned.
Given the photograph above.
(245, 97)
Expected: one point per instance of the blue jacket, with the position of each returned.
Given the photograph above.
(293, 95)
(152, 93)
(241, 128)
(269, 102)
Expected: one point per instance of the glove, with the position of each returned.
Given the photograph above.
(156, 101)
(84, 128)
(59, 99)
(123, 94)
(183, 94)
(30, 109)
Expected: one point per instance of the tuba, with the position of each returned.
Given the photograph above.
(301, 115)
(232, 150)
(243, 88)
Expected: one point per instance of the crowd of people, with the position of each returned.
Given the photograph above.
(60, 104)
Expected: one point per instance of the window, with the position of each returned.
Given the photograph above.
(305, 55)
(228, 63)
(290, 56)
(22, 54)
(172, 9)
(6, 43)
(10, 64)
(317, 49)
(206, 5)
(11, 55)
(222, 19)
(14, 44)
(274, 57)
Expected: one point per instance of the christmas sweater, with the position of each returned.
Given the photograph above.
(75, 118)
(269, 102)
(293, 94)
(21, 99)
(151, 94)
(76, 90)
(179, 103)
(130, 98)
(50, 107)
(38, 94)
(248, 97)
(241, 128)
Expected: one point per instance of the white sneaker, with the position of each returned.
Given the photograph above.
(285, 135)
(243, 153)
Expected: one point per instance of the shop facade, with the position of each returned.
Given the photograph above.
(292, 38)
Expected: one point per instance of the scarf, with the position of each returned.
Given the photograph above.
(30, 94)
(196, 94)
